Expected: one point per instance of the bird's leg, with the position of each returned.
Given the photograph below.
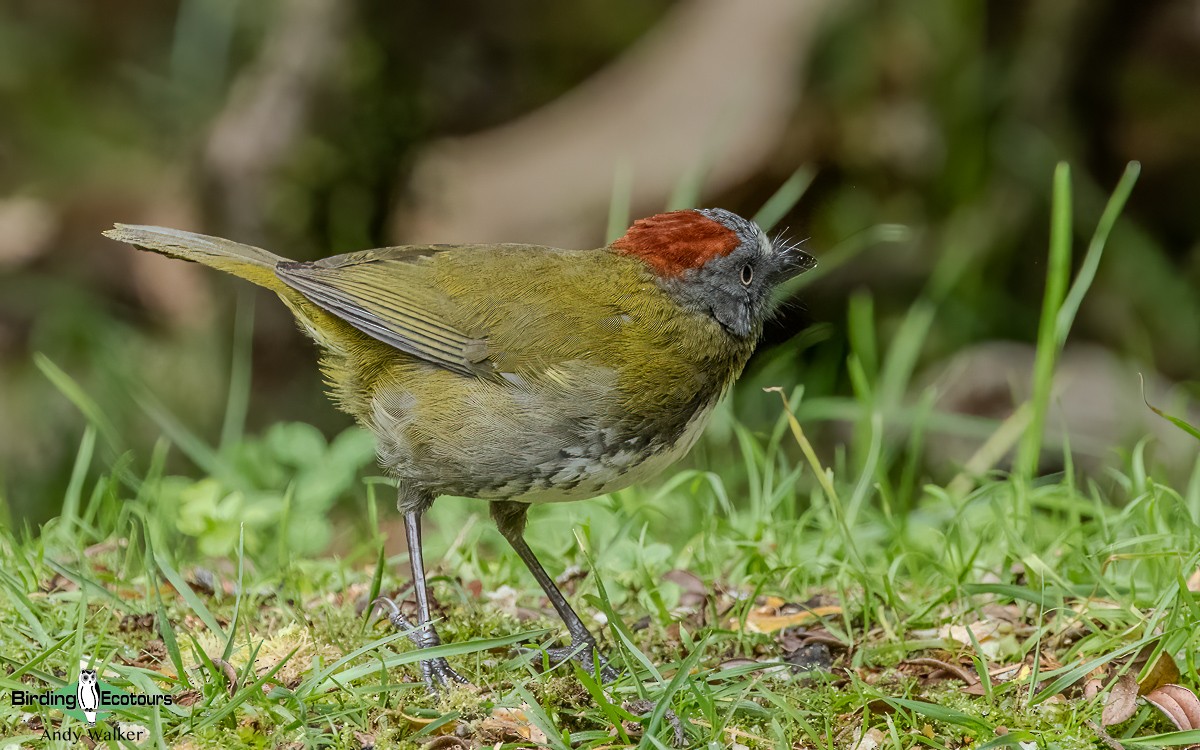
(510, 519)
(437, 672)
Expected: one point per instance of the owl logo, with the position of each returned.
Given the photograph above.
(88, 694)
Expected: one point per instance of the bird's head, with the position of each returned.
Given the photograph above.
(715, 262)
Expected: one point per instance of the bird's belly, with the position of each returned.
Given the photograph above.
(529, 447)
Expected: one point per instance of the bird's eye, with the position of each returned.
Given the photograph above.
(747, 274)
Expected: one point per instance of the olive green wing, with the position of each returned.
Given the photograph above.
(389, 295)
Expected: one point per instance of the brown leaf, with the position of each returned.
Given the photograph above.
(775, 614)
(57, 583)
(879, 707)
(1178, 704)
(870, 739)
(188, 698)
(511, 723)
(230, 674)
(1164, 672)
(1193, 582)
(1121, 703)
(130, 623)
(938, 665)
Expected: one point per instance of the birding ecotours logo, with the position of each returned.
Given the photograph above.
(88, 699)
(87, 694)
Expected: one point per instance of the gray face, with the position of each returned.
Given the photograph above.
(735, 289)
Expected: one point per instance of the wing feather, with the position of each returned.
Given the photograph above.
(381, 298)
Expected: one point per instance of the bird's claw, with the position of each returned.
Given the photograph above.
(437, 673)
(583, 652)
(643, 707)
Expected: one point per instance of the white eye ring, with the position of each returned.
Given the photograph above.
(747, 274)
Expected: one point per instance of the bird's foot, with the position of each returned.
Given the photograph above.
(644, 707)
(583, 652)
(437, 672)
(439, 675)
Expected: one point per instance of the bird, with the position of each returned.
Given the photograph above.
(523, 374)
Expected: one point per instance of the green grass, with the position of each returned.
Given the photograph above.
(1027, 585)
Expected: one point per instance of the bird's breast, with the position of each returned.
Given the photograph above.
(581, 474)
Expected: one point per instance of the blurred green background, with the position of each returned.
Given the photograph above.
(925, 131)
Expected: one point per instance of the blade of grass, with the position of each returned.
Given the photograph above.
(785, 198)
(686, 193)
(409, 657)
(241, 587)
(1091, 259)
(1166, 739)
(1058, 268)
(619, 205)
(24, 607)
(806, 447)
(189, 596)
(941, 713)
(682, 675)
(1069, 676)
(246, 692)
(83, 459)
(1186, 427)
(540, 718)
(67, 386)
(200, 453)
(238, 401)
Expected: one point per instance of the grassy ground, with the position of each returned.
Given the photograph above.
(781, 603)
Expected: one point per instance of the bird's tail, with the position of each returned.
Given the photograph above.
(249, 262)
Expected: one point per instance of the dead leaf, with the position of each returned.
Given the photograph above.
(1121, 703)
(938, 665)
(445, 742)
(188, 698)
(1164, 672)
(58, 583)
(773, 614)
(1193, 582)
(868, 740)
(1178, 704)
(130, 623)
(230, 673)
(511, 723)
(986, 632)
